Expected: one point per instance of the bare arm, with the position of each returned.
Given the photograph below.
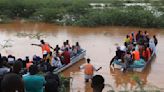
(36, 45)
(50, 46)
(98, 69)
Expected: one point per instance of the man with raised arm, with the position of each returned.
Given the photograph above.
(89, 70)
(45, 46)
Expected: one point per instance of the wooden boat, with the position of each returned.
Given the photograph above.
(74, 60)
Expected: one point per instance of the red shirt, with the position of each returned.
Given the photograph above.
(67, 57)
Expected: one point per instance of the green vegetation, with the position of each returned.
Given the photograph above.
(64, 83)
(81, 13)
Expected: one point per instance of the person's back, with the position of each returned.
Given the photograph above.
(88, 69)
(136, 55)
(33, 82)
(119, 54)
(52, 81)
(12, 83)
(66, 56)
(45, 47)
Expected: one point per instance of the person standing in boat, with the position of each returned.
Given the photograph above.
(45, 46)
(89, 70)
(127, 41)
(155, 40)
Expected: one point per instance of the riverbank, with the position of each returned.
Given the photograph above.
(84, 13)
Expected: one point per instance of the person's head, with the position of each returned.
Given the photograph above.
(67, 41)
(97, 83)
(127, 36)
(88, 60)
(145, 32)
(154, 36)
(12, 83)
(128, 52)
(4, 59)
(133, 49)
(17, 66)
(139, 32)
(42, 42)
(73, 46)
(118, 47)
(57, 46)
(33, 70)
(64, 43)
(27, 58)
(66, 49)
(132, 33)
(134, 44)
(77, 43)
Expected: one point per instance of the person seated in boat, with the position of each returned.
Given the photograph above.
(68, 44)
(146, 53)
(97, 83)
(133, 37)
(127, 41)
(66, 56)
(56, 62)
(130, 47)
(119, 53)
(155, 40)
(64, 46)
(145, 33)
(152, 46)
(57, 48)
(45, 46)
(74, 51)
(138, 36)
(77, 46)
(127, 59)
(146, 37)
(135, 55)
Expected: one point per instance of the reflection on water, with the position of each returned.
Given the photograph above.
(125, 81)
(100, 44)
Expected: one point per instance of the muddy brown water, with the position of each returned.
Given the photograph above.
(100, 43)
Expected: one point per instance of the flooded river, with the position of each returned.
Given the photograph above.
(100, 44)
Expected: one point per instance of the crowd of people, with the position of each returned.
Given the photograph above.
(36, 75)
(136, 46)
(60, 56)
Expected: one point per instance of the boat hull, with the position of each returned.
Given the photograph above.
(74, 60)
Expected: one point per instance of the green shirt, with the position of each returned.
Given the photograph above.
(34, 83)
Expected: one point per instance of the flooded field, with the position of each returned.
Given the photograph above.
(99, 42)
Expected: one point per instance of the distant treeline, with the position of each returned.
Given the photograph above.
(79, 13)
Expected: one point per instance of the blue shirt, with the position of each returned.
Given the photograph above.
(34, 83)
